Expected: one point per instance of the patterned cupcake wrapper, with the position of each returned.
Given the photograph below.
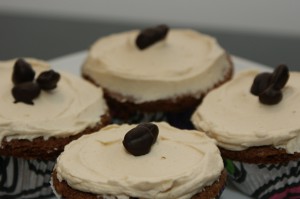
(20, 178)
(268, 181)
(180, 120)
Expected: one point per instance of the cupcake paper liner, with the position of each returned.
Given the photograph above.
(265, 181)
(20, 178)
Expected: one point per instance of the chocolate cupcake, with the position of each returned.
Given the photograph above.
(156, 74)
(41, 111)
(254, 119)
(149, 160)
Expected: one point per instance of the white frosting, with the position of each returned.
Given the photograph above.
(179, 164)
(68, 109)
(185, 63)
(237, 120)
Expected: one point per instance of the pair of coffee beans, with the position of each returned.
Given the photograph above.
(25, 88)
(267, 86)
(139, 140)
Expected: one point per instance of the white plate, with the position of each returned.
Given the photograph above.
(73, 62)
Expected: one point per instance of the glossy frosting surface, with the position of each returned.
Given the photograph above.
(179, 164)
(237, 120)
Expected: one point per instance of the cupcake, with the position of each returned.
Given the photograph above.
(149, 160)
(41, 111)
(254, 119)
(156, 74)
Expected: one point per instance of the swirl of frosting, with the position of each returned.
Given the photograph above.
(179, 164)
(186, 62)
(70, 108)
(237, 120)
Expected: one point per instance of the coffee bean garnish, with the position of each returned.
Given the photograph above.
(270, 96)
(267, 86)
(26, 92)
(139, 140)
(25, 89)
(22, 72)
(261, 83)
(152, 128)
(48, 80)
(150, 36)
(280, 76)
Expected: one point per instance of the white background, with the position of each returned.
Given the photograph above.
(277, 17)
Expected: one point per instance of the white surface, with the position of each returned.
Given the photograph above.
(268, 16)
(73, 62)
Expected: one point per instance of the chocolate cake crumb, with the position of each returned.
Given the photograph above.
(67, 192)
(42, 149)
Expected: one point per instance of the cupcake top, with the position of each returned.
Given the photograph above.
(66, 110)
(238, 120)
(185, 62)
(179, 164)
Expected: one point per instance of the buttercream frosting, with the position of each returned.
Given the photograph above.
(186, 62)
(179, 165)
(67, 110)
(237, 120)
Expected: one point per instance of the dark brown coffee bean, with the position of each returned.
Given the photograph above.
(22, 72)
(268, 86)
(280, 77)
(270, 96)
(26, 92)
(149, 36)
(261, 83)
(138, 141)
(152, 128)
(48, 80)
